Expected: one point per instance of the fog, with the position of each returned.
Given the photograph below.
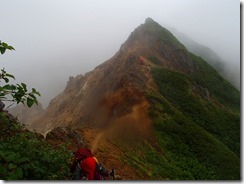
(60, 38)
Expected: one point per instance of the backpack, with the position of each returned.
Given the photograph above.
(100, 173)
(79, 174)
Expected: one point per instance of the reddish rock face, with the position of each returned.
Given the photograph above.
(113, 88)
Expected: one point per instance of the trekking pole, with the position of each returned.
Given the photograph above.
(113, 173)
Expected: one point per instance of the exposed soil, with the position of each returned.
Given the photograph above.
(108, 154)
(103, 141)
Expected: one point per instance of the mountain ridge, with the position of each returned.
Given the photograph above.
(170, 113)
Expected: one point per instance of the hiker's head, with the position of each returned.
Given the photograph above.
(83, 153)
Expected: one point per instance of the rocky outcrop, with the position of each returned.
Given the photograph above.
(202, 91)
(65, 135)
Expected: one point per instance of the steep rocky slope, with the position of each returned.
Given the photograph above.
(161, 111)
(116, 85)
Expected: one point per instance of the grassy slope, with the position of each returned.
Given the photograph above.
(153, 29)
(200, 139)
(194, 138)
(26, 155)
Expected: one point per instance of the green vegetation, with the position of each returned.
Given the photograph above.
(155, 60)
(23, 154)
(161, 164)
(181, 149)
(177, 89)
(26, 155)
(195, 138)
(219, 88)
(154, 29)
(194, 131)
(4, 46)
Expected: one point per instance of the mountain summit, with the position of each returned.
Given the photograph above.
(155, 109)
(122, 79)
(151, 39)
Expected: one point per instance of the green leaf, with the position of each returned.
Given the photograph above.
(30, 102)
(9, 75)
(35, 101)
(24, 86)
(10, 47)
(5, 45)
(2, 95)
(6, 79)
(35, 92)
(2, 50)
(20, 91)
(31, 95)
(8, 87)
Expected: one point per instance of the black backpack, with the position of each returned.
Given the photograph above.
(78, 173)
(100, 173)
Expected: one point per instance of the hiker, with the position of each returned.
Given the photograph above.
(86, 166)
(141, 60)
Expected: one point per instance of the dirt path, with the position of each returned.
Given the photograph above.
(108, 154)
(102, 142)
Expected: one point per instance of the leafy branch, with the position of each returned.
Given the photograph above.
(18, 92)
(4, 46)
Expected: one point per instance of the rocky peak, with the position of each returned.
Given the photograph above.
(113, 88)
(151, 39)
(151, 32)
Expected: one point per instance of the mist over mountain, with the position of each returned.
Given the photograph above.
(229, 71)
(57, 39)
(25, 114)
(154, 108)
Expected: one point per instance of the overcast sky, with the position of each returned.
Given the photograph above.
(55, 39)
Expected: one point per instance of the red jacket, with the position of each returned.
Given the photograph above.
(89, 166)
